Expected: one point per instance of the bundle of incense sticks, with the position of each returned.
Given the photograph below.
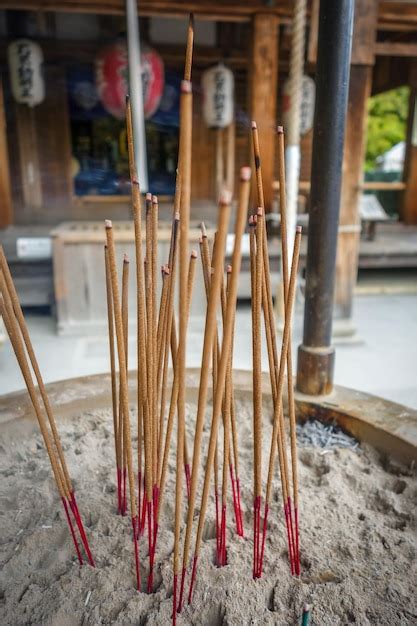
(260, 273)
(14, 321)
(161, 342)
(157, 342)
(230, 462)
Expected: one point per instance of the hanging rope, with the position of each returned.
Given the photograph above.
(296, 72)
(292, 151)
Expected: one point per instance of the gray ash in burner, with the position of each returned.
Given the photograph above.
(315, 433)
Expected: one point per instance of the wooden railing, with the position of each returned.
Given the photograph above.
(369, 185)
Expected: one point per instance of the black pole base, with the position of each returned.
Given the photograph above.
(315, 370)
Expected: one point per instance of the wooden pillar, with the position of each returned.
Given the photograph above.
(364, 32)
(30, 170)
(409, 208)
(6, 205)
(263, 78)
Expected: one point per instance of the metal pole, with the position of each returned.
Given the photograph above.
(316, 355)
(136, 92)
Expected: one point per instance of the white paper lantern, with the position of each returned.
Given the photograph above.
(25, 67)
(308, 97)
(218, 94)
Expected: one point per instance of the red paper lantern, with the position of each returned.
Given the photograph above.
(112, 76)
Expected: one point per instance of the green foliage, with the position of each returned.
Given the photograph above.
(387, 123)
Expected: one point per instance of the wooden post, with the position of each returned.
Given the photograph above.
(263, 93)
(6, 205)
(409, 208)
(364, 32)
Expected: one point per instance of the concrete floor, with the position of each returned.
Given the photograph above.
(382, 362)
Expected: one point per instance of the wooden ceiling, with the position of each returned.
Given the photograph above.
(230, 10)
(395, 15)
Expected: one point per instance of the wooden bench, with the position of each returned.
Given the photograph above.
(371, 213)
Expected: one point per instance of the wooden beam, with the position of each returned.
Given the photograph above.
(263, 93)
(364, 32)
(222, 10)
(6, 203)
(368, 185)
(396, 49)
(65, 52)
(314, 32)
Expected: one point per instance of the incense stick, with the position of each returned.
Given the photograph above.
(142, 383)
(209, 333)
(280, 381)
(291, 403)
(113, 376)
(224, 359)
(123, 387)
(206, 267)
(234, 465)
(175, 385)
(185, 161)
(189, 48)
(9, 286)
(207, 272)
(14, 321)
(305, 619)
(169, 321)
(125, 323)
(163, 359)
(173, 405)
(155, 426)
(273, 365)
(257, 279)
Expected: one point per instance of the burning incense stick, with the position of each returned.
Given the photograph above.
(113, 376)
(123, 388)
(291, 403)
(224, 359)
(209, 334)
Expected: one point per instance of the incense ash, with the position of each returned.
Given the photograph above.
(358, 538)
